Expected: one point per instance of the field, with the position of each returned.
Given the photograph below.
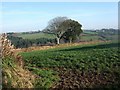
(36, 35)
(82, 66)
(87, 36)
(89, 32)
(64, 46)
(92, 62)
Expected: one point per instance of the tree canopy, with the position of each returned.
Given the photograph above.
(54, 27)
(65, 28)
(72, 30)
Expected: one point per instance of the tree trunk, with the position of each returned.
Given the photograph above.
(70, 40)
(58, 40)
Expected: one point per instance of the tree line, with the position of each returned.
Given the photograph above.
(19, 42)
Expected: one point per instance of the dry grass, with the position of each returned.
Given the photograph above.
(56, 46)
(14, 75)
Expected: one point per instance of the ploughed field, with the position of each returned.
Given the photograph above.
(81, 66)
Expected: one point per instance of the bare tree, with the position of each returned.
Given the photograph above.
(54, 27)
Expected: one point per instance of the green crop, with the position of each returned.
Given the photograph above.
(94, 57)
(102, 60)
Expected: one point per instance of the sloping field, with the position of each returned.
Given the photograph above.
(81, 66)
(36, 36)
(86, 36)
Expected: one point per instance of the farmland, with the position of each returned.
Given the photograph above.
(36, 35)
(81, 66)
(29, 39)
(92, 62)
(87, 36)
(57, 45)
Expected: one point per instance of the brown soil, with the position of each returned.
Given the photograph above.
(79, 79)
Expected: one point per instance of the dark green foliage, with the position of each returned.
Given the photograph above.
(19, 42)
(72, 30)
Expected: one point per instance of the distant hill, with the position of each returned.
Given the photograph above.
(38, 38)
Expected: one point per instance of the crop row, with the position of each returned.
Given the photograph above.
(103, 57)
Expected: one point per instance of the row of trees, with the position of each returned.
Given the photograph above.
(64, 28)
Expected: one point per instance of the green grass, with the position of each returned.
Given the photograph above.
(7, 63)
(47, 77)
(36, 35)
(112, 37)
(89, 37)
(89, 32)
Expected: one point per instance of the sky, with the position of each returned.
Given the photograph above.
(33, 16)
